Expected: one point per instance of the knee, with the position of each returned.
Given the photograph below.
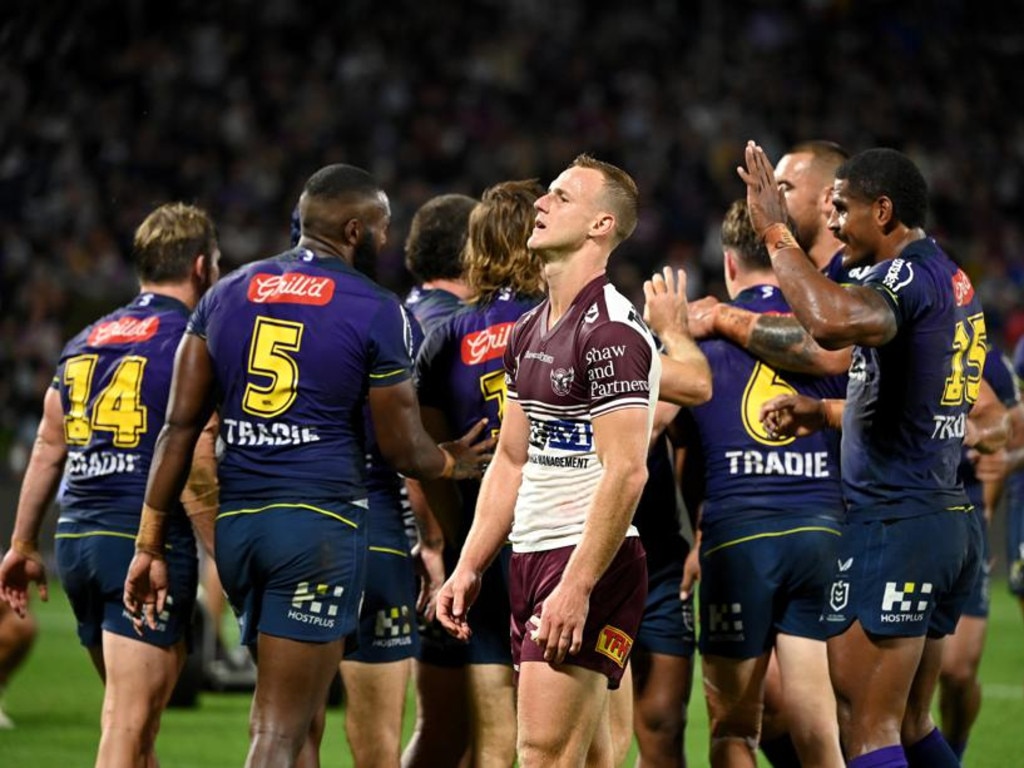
(18, 633)
(958, 674)
(662, 721)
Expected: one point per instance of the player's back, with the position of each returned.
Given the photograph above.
(114, 379)
(296, 341)
(750, 473)
(431, 306)
(998, 372)
(903, 425)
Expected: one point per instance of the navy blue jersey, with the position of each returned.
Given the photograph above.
(1015, 482)
(658, 515)
(114, 379)
(907, 402)
(431, 306)
(459, 369)
(296, 340)
(998, 372)
(749, 473)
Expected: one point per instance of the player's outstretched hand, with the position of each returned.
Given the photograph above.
(145, 589)
(454, 601)
(765, 201)
(665, 307)
(793, 416)
(471, 458)
(17, 571)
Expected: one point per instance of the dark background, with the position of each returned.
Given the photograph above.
(108, 109)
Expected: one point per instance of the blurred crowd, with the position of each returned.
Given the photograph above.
(111, 108)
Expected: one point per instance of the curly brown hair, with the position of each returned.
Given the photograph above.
(496, 255)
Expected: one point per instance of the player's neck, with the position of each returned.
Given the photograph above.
(566, 278)
(183, 292)
(824, 248)
(754, 279)
(897, 240)
(456, 287)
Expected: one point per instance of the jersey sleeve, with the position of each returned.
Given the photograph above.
(1018, 362)
(617, 362)
(904, 287)
(199, 320)
(510, 359)
(998, 372)
(431, 369)
(391, 342)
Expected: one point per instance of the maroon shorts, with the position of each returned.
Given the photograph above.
(616, 606)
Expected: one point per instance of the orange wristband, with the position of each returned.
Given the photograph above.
(25, 548)
(449, 463)
(778, 238)
(833, 410)
(150, 538)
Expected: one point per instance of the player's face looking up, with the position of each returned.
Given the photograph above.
(568, 212)
(855, 222)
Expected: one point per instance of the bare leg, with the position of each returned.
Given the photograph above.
(661, 695)
(441, 736)
(292, 679)
(493, 706)
(872, 677)
(139, 681)
(620, 717)
(810, 704)
(959, 690)
(734, 689)
(373, 715)
(548, 699)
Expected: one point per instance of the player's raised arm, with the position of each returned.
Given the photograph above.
(685, 375)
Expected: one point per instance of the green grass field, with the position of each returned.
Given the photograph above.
(56, 698)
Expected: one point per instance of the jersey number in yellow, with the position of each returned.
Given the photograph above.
(118, 408)
(272, 340)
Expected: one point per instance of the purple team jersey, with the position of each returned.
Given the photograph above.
(114, 378)
(907, 402)
(750, 473)
(296, 340)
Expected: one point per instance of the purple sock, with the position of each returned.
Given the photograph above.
(932, 752)
(958, 749)
(886, 757)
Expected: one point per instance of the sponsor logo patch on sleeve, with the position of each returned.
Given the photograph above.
(290, 288)
(963, 290)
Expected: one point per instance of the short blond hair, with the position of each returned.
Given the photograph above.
(621, 194)
(496, 254)
(168, 241)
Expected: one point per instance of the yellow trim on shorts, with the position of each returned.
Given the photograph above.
(774, 534)
(95, 533)
(389, 551)
(961, 508)
(310, 507)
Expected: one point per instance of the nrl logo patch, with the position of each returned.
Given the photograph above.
(561, 380)
(839, 595)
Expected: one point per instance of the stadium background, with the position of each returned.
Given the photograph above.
(110, 108)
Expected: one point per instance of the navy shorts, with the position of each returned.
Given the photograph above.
(489, 619)
(293, 570)
(1015, 531)
(763, 577)
(667, 625)
(978, 601)
(616, 605)
(905, 577)
(387, 618)
(93, 564)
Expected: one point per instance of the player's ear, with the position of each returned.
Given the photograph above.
(603, 225)
(200, 267)
(352, 232)
(729, 262)
(883, 213)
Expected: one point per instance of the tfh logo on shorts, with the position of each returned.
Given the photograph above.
(614, 643)
(308, 604)
(900, 605)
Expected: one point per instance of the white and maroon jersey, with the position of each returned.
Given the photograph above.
(599, 357)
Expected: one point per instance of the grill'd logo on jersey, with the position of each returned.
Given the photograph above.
(615, 644)
(127, 330)
(292, 288)
(963, 291)
(561, 380)
(488, 344)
